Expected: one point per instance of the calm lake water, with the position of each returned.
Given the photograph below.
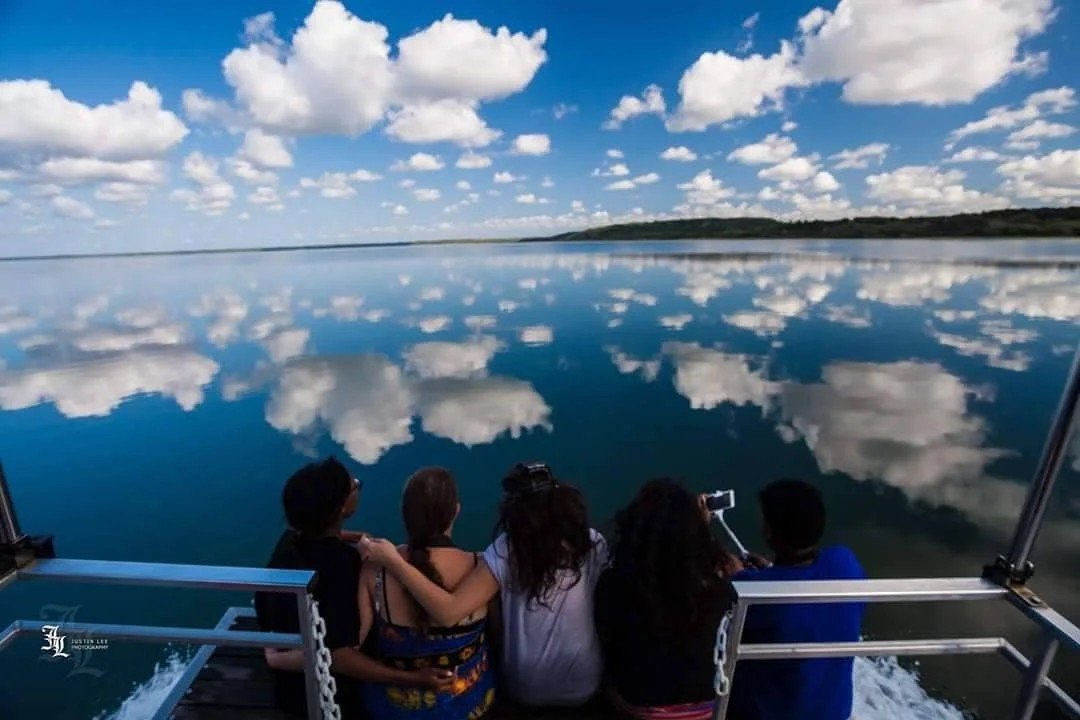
(150, 409)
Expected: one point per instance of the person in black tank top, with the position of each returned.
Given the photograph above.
(317, 499)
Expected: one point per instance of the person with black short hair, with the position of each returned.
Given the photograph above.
(317, 499)
(793, 514)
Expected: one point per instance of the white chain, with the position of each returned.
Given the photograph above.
(327, 683)
(722, 683)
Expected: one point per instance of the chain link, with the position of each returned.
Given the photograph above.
(722, 683)
(327, 683)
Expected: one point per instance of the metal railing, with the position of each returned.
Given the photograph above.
(1056, 630)
(207, 577)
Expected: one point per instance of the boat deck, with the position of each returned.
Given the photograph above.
(234, 684)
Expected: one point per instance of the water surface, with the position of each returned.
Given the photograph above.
(151, 408)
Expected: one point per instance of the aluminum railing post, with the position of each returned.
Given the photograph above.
(311, 677)
(1017, 563)
(10, 533)
(734, 639)
(1034, 677)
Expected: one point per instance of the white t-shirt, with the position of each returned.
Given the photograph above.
(550, 656)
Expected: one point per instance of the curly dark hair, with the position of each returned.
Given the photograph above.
(669, 558)
(547, 532)
(429, 505)
(314, 495)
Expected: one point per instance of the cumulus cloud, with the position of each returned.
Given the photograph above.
(974, 154)
(1052, 178)
(96, 386)
(926, 188)
(336, 75)
(1054, 101)
(71, 208)
(536, 334)
(531, 144)
(420, 162)
(503, 177)
(793, 170)
(1039, 130)
(651, 102)
(265, 150)
(628, 365)
(473, 161)
(704, 189)
(479, 410)
(709, 378)
(338, 185)
(720, 87)
(861, 157)
(34, 116)
(77, 170)
(214, 195)
(866, 44)
(468, 358)
(773, 149)
(680, 153)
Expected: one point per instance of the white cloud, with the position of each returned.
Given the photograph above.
(532, 144)
(365, 403)
(646, 179)
(476, 411)
(71, 208)
(675, 322)
(71, 170)
(974, 154)
(709, 378)
(34, 116)
(620, 185)
(536, 334)
(426, 194)
(420, 162)
(547, 182)
(332, 185)
(464, 359)
(627, 365)
(200, 108)
(249, 173)
(789, 126)
(680, 153)
(861, 157)
(434, 324)
(720, 87)
(763, 323)
(650, 103)
(95, 387)
(824, 182)
(214, 195)
(615, 154)
(847, 315)
(1052, 178)
(918, 411)
(445, 120)
(477, 323)
(794, 169)
(463, 59)
(463, 185)
(122, 192)
(473, 161)
(561, 110)
(929, 189)
(265, 150)
(773, 149)
(1040, 130)
(503, 177)
(1045, 102)
(867, 46)
(704, 189)
(528, 199)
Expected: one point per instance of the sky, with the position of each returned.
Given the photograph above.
(141, 126)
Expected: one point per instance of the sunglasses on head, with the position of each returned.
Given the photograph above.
(529, 478)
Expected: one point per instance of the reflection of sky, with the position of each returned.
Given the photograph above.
(929, 383)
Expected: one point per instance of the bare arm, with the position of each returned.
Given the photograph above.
(446, 608)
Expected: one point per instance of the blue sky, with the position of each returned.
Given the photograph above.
(132, 126)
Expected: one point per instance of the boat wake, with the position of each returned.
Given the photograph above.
(884, 690)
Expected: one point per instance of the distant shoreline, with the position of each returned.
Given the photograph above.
(1041, 223)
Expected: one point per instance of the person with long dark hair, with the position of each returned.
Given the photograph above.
(545, 560)
(406, 636)
(659, 604)
(317, 500)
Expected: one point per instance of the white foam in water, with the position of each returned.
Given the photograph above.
(884, 690)
(147, 696)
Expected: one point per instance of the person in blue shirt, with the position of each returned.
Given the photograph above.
(813, 689)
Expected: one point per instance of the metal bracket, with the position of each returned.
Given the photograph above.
(1026, 595)
(1004, 573)
(17, 555)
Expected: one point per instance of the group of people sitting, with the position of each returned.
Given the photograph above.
(550, 615)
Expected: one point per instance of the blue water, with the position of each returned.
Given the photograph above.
(150, 409)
